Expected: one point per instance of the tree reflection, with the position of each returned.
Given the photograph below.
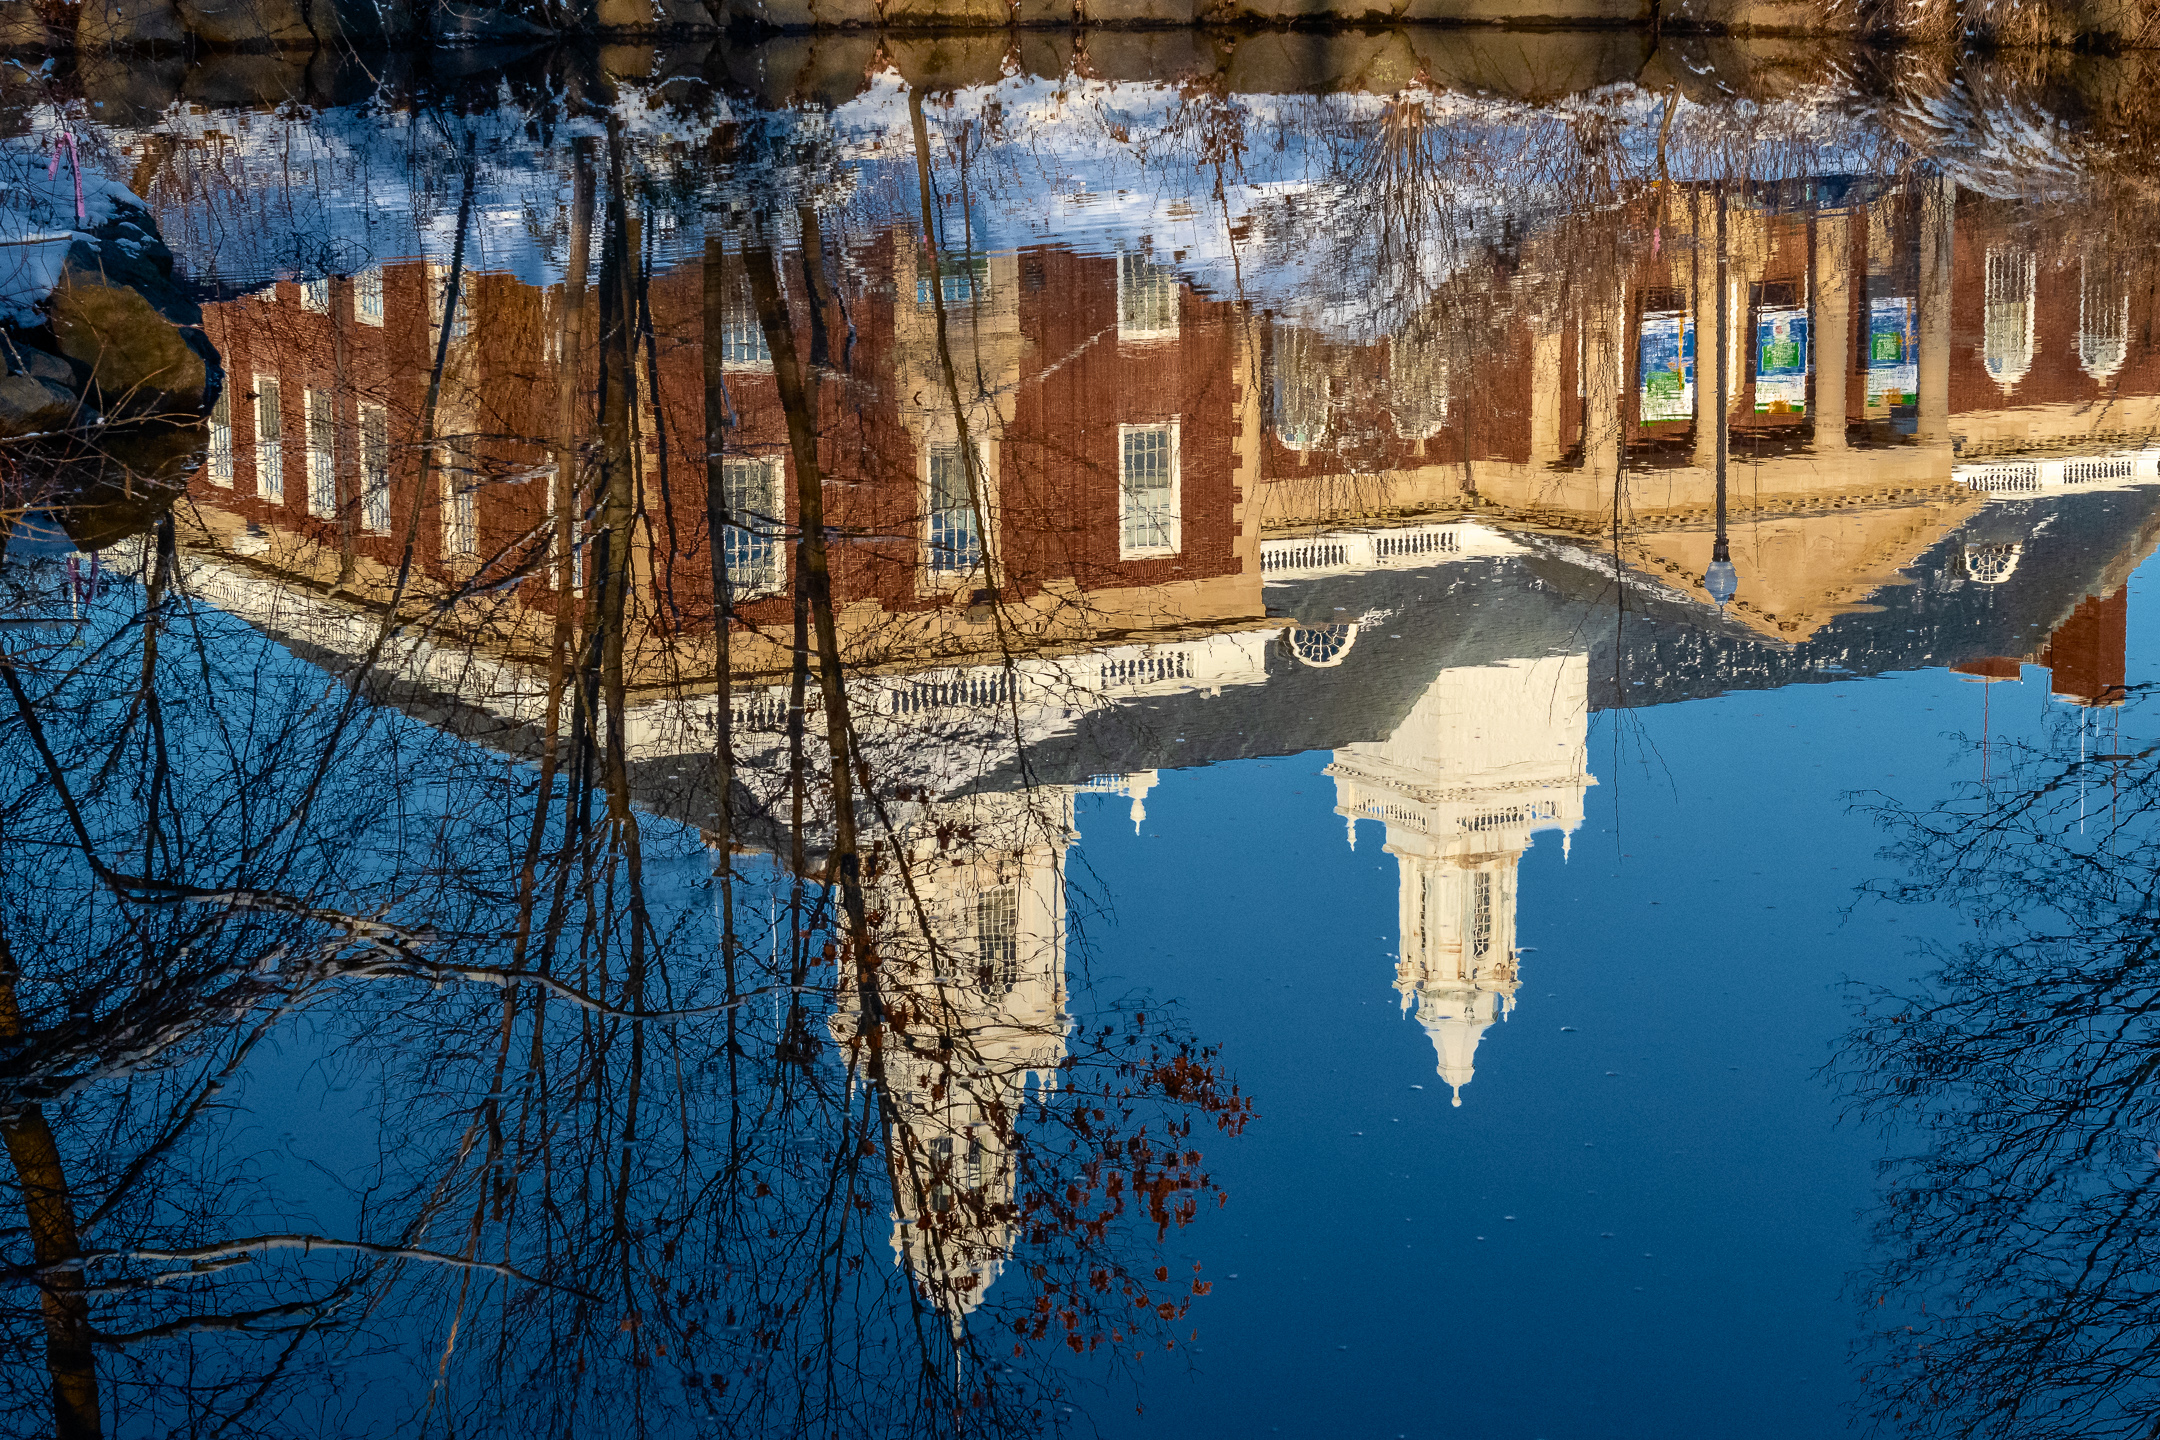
(2013, 1290)
(361, 1079)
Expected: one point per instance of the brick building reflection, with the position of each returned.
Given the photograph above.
(1143, 458)
(1891, 351)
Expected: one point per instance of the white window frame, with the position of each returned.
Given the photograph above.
(269, 439)
(221, 449)
(937, 576)
(319, 412)
(1126, 551)
(771, 576)
(368, 296)
(742, 336)
(1138, 281)
(461, 515)
(997, 938)
(374, 469)
(315, 295)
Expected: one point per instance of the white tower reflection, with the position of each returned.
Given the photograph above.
(1489, 756)
(971, 938)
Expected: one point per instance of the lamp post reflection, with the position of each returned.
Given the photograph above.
(1721, 580)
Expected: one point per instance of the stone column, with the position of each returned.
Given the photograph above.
(1938, 217)
(1546, 385)
(1604, 376)
(1703, 303)
(1833, 327)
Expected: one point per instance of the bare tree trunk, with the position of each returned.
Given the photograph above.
(53, 1243)
(719, 418)
(814, 579)
(618, 472)
(969, 463)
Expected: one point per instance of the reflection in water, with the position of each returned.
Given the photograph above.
(2011, 1293)
(660, 575)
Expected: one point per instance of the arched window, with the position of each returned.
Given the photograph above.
(1991, 564)
(1298, 391)
(1320, 645)
(2103, 320)
(2009, 340)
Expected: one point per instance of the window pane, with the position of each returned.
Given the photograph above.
(375, 468)
(1481, 916)
(269, 441)
(321, 454)
(367, 296)
(756, 516)
(221, 453)
(955, 545)
(742, 338)
(1146, 474)
(963, 280)
(997, 938)
(1147, 297)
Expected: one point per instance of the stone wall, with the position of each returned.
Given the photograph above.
(364, 24)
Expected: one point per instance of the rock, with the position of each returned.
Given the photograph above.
(22, 27)
(34, 407)
(105, 513)
(118, 24)
(294, 22)
(117, 312)
(646, 15)
(43, 365)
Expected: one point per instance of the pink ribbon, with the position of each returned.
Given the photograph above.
(67, 138)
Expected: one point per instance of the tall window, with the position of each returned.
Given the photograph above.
(997, 938)
(1418, 381)
(315, 296)
(221, 456)
(1147, 299)
(2008, 340)
(941, 1174)
(367, 296)
(461, 528)
(742, 338)
(2103, 320)
(375, 469)
(756, 515)
(269, 441)
(321, 453)
(1481, 916)
(1147, 490)
(1300, 395)
(955, 539)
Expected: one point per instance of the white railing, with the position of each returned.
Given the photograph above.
(1342, 551)
(2010, 478)
(1148, 669)
(1321, 555)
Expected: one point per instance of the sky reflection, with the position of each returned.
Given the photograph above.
(1111, 740)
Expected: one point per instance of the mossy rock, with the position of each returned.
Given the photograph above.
(139, 362)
